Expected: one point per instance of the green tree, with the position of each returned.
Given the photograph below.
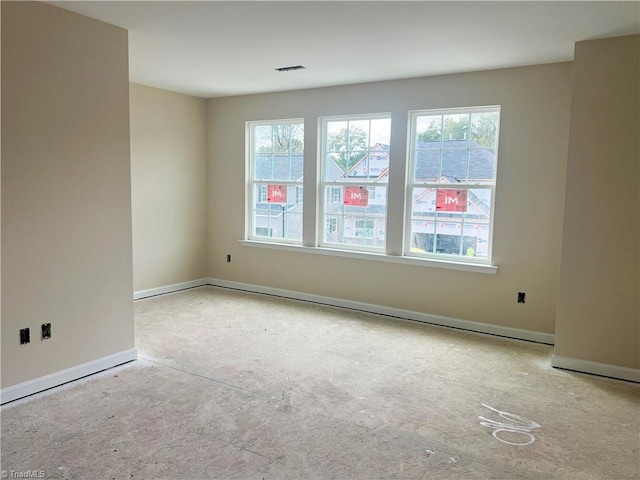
(457, 127)
(484, 128)
(280, 139)
(347, 146)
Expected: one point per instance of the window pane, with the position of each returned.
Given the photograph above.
(428, 131)
(278, 220)
(479, 205)
(476, 237)
(279, 167)
(278, 152)
(346, 145)
(262, 169)
(380, 133)
(297, 139)
(454, 164)
(455, 127)
(360, 214)
(482, 165)
(427, 165)
(357, 150)
(337, 136)
(449, 244)
(484, 129)
(358, 135)
(262, 139)
(455, 229)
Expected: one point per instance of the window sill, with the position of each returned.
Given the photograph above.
(377, 257)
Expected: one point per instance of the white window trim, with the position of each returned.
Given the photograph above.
(410, 184)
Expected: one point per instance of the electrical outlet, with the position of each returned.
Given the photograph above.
(25, 336)
(228, 258)
(46, 331)
(521, 296)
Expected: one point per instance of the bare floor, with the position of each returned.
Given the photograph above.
(235, 385)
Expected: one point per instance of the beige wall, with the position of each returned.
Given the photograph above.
(66, 203)
(598, 315)
(168, 187)
(529, 201)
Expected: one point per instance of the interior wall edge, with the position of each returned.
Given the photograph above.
(61, 377)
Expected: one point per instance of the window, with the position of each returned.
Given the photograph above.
(443, 208)
(262, 193)
(364, 228)
(274, 190)
(354, 161)
(452, 178)
(335, 194)
(332, 225)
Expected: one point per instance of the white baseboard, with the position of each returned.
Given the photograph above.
(36, 385)
(509, 332)
(152, 292)
(595, 368)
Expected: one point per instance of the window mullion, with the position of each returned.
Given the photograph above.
(396, 186)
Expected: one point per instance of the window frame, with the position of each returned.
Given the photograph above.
(323, 185)
(411, 183)
(252, 184)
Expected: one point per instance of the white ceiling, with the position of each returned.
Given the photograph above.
(214, 49)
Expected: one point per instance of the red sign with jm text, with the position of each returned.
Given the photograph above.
(451, 200)
(277, 194)
(356, 196)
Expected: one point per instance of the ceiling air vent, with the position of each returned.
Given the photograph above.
(291, 69)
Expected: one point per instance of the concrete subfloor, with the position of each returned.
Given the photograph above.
(232, 385)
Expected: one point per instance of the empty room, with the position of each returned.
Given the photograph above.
(320, 240)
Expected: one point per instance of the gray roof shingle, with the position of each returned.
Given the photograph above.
(279, 166)
(482, 161)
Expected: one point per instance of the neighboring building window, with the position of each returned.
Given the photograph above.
(275, 161)
(355, 160)
(332, 225)
(335, 194)
(452, 177)
(364, 228)
(262, 193)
